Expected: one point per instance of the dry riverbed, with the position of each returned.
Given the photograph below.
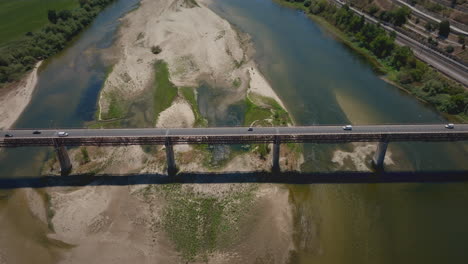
(174, 223)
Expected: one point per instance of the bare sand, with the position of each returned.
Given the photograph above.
(16, 97)
(179, 114)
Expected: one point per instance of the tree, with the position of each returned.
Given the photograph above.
(444, 28)
(382, 45)
(401, 56)
(456, 104)
(64, 14)
(52, 16)
(398, 16)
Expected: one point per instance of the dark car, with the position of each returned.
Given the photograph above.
(8, 135)
(250, 129)
(37, 132)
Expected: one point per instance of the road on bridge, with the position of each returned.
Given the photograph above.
(238, 131)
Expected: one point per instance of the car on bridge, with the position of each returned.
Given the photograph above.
(62, 134)
(8, 135)
(348, 127)
(449, 126)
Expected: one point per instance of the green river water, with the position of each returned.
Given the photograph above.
(321, 81)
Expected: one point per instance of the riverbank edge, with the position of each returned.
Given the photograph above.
(14, 101)
(384, 72)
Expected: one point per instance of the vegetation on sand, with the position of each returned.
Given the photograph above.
(165, 91)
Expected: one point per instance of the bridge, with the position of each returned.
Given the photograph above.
(230, 135)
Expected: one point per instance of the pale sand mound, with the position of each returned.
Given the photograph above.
(107, 225)
(13, 102)
(361, 156)
(76, 210)
(179, 114)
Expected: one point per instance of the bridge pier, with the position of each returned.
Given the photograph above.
(379, 156)
(276, 155)
(171, 165)
(64, 159)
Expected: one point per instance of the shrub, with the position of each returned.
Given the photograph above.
(461, 39)
(156, 49)
(449, 49)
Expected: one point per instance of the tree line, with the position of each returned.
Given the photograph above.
(400, 61)
(18, 57)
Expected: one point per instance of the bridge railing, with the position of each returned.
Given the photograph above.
(233, 139)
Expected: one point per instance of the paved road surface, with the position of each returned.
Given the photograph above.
(453, 28)
(238, 131)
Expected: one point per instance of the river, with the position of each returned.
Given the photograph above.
(321, 81)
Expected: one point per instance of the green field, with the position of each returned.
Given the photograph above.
(17, 17)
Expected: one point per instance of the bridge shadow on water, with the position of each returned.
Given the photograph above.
(237, 177)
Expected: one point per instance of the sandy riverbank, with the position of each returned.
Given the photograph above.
(15, 98)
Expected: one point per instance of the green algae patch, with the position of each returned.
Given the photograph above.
(116, 107)
(164, 90)
(189, 94)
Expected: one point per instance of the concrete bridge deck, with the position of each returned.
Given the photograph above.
(234, 135)
(230, 135)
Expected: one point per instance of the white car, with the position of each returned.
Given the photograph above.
(348, 127)
(62, 134)
(449, 126)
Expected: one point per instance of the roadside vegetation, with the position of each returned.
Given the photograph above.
(398, 63)
(18, 57)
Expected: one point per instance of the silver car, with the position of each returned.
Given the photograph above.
(62, 134)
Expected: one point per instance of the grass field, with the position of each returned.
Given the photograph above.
(17, 17)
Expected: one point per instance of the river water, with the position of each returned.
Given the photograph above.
(320, 81)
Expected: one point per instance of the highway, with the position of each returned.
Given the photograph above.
(419, 12)
(233, 135)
